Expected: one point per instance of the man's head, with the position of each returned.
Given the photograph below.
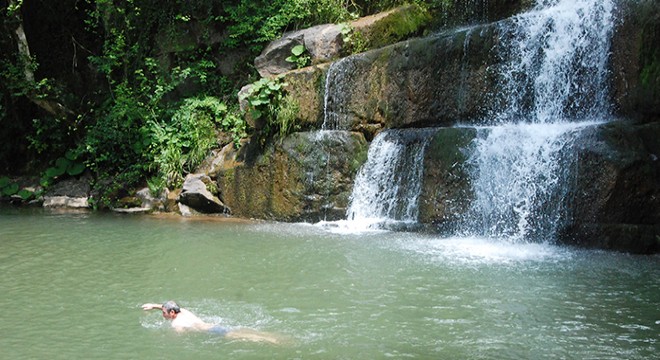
(170, 310)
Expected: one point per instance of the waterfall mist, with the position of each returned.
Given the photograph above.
(521, 178)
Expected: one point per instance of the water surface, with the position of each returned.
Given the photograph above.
(72, 285)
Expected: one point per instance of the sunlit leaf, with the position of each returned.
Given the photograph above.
(298, 50)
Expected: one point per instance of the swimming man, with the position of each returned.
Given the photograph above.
(184, 320)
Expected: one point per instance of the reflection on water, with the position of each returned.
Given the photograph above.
(74, 283)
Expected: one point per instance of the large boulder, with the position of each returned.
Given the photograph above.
(195, 194)
(323, 42)
(69, 193)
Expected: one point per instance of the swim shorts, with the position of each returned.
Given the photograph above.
(219, 330)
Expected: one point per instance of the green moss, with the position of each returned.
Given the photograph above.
(447, 144)
(359, 153)
(409, 21)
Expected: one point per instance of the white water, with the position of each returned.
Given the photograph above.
(553, 83)
(556, 62)
(521, 177)
(337, 81)
(388, 185)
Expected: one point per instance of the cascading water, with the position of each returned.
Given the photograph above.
(553, 82)
(335, 87)
(387, 187)
(555, 60)
(520, 176)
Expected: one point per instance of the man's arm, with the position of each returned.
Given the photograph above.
(149, 306)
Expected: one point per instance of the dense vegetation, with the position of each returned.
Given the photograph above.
(138, 91)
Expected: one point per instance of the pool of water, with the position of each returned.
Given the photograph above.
(72, 286)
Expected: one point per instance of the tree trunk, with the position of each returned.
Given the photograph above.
(50, 106)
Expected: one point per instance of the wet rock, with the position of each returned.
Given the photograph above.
(308, 176)
(616, 195)
(635, 60)
(446, 188)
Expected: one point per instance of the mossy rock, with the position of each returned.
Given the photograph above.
(399, 24)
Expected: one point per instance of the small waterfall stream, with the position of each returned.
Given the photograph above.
(553, 82)
(336, 81)
(387, 187)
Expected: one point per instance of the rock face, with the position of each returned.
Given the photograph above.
(614, 197)
(636, 60)
(433, 81)
(438, 80)
(446, 190)
(306, 177)
(617, 190)
(449, 78)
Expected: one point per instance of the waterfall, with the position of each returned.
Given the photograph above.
(553, 82)
(336, 82)
(555, 62)
(387, 187)
(521, 177)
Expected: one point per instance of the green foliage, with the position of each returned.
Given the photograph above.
(12, 73)
(264, 98)
(267, 103)
(69, 165)
(299, 56)
(25, 194)
(287, 115)
(14, 6)
(180, 144)
(151, 117)
(10, 188)
(398, 26)
(305, 13)
(354, 41)
(7, 187)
